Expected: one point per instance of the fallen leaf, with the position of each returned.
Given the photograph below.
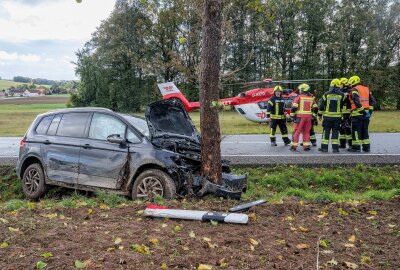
(5, 221)
(210, 245)
(301, 202)
(117, 241)
(90, 211)
(303, 229)
(164, 225)
(293, 229)
(4, 245)
(46, 255)
(371, 217)
(120, 247)
(79, 264)
(391, 226)
(350, 265)
(349, 245)
(280, 241)
(253, 216)
(332, 262)
(110, 249)
(103, 206)
(204, 267)
(327, 251)
(40, 265)
(352, 238)
(154, 241)
(322, 215)
(342, 212)
(140, 212)
(192, 234)
(11, 229)
(206, 239)
(302, 246)
(253, 242)
(141, 249)
(372, 212)
(164, 266)
(289, 218)
(323, 243)
(280, 257)
(252, 248)
(365, 260)
(177, 228)
(185, 248)
(214, 223)
(52, 216)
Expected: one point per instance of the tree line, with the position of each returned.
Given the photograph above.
(148, 41)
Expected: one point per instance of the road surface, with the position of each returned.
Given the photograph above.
(255, 150)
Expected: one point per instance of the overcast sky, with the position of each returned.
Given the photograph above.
(39, 38)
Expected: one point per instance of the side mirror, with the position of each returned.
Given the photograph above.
(114, 138)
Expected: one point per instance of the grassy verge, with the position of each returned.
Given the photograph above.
(15, 120)
(311, 184)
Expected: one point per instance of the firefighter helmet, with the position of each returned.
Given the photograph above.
(335, 82)
(354, 80)
(278, 88)
(304, 87)
(344, 81)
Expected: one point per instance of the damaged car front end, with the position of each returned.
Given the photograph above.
(173, 133)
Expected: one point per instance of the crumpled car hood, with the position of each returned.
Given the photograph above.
(168, 119)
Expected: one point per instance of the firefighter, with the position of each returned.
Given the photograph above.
(302, 113)
(362, 106)
(331, 108)
(345, 125)
(276, 116)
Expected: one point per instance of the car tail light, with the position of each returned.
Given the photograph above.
(22, 142)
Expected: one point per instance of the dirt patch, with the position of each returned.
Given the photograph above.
(287, 236)
(34, 100)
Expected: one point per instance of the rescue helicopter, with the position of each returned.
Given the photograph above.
(250, 104)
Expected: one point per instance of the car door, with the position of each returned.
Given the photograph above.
(60, 150)
(101, 161)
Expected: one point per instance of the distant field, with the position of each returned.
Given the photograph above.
(4, 84)
(17, 114)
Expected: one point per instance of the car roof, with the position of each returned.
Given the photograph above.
(80, 109)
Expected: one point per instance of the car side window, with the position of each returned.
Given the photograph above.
(44, 124)
(54, 125)
(104, 125)
(73, 125)
(131, 137)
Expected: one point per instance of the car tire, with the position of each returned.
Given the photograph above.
(33, 182)
(153, 182)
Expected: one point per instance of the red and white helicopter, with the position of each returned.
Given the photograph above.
(251, 104)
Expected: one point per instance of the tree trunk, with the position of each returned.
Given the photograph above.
(209, 90)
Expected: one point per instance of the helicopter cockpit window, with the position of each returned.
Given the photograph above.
(263, 104)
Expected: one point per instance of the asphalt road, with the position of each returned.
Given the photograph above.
(255, 150)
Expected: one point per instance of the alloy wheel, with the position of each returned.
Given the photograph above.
(32, 180)
(149, 188)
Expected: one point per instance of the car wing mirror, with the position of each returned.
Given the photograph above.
(115, 138)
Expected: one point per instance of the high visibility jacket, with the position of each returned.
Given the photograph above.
(361, 100)
(304, 106)
(347, 104)
(276, 107)
(331, 103)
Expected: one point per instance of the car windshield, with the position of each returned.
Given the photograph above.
(139, 123)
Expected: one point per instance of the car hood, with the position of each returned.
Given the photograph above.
(168, 120)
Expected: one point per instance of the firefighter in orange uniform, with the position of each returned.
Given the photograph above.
(362, 106)
(303, 107)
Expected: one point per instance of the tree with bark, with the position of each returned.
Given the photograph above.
(209, 90)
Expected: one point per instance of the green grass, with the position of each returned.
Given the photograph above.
(323, 184)
(4, 84)
(15, 120)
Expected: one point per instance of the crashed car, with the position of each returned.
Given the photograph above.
(96, 148)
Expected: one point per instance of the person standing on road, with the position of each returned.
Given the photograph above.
(362, 106)
(345, 125)
(302, 112)
(331, 108)
(276, 116)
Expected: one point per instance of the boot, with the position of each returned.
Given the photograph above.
(293, 148)
(314, 144)
(323, 150)
(354, 150)
(273, 144)
(335, 148)
(287, 142)
(307, 148)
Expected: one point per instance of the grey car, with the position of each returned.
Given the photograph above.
(96, 148)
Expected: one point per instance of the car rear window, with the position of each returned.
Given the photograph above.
(44, 124)
(73, 125)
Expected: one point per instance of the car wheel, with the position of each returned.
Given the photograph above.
(33, 183)
(152, 183)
